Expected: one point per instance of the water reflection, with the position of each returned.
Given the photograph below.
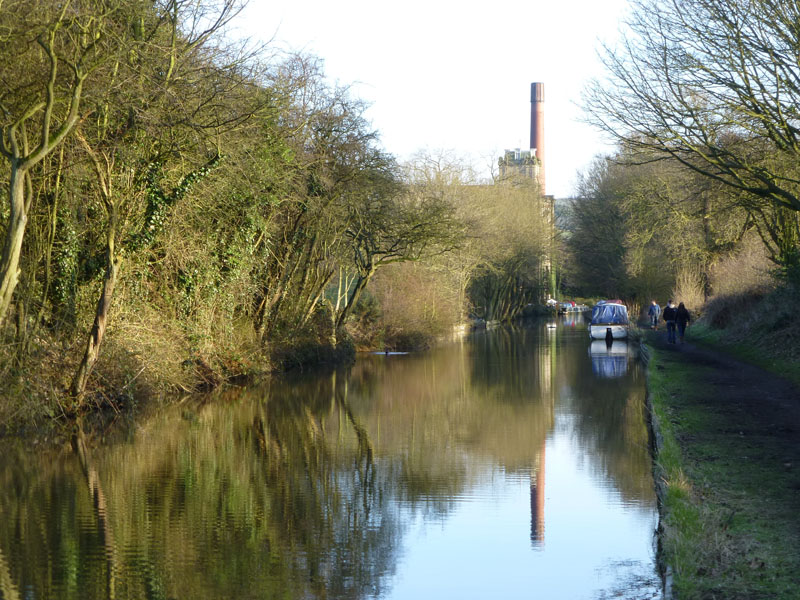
(386, 480)
(574, 319)
(609, 360)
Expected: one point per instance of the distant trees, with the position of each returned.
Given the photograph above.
(713, 85)
(515, 244)
(337, 209)
(502, 263)
(391, 224)
(597, 236)
(644, 230)
(450, 180)
(413, 302)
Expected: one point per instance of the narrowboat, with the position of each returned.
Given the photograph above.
(609, 321)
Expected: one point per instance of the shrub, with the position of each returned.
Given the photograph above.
(761, 319)
(745, 270)
(726, 310)
(689, 288)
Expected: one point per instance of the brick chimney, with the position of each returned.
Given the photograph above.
(537, 128)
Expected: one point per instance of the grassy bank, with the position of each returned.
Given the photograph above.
(726, 468)
(755, 324)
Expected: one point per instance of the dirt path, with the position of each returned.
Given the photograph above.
(763, 403)
(738, 427)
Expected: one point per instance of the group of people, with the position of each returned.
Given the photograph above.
(677, 319)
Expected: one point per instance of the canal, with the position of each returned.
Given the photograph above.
(511, 464)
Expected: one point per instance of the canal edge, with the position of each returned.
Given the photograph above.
(656, 446)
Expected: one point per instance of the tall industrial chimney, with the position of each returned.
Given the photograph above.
(537, 128)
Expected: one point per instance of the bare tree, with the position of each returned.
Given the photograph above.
(144, 125)
(715, 85)
(49, 50)
(388, 224)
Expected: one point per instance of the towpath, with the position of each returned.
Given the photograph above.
(738, 427)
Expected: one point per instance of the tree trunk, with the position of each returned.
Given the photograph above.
(315, 296)
(92, 351)
(272, 304)
(493, 299)
(12, 246)
(788, 236)
(332, 337)
(265, 310)
(361, 284)
(48, 254)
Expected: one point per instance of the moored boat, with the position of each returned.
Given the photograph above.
(569, 306)
(609, 318)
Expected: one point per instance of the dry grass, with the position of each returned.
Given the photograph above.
(32, 392)
(418, 303)
(143, 352)
(762, 324)
(751, 308)
(731, 310)
(689, 288)
(147, 354)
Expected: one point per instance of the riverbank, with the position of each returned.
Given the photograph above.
(34, 398)
(727, 469)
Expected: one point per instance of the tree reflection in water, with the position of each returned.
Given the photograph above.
(304, 487)
(264, 494)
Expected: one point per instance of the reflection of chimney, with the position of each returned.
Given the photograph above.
(537, 501)
(537, 128)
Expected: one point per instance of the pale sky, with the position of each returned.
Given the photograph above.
(456, 76)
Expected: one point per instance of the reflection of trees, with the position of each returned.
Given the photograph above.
(299, 489)
(504, 365)
(330, 497)
(100, 504)
(609, 414)
(444, 419)
(8, 589)
(519, 366)
(244, 497)
(610, 422)
(47, 526)
(512, 373)
(408, 409)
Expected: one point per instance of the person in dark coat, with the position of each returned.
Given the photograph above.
(669, 315)
(682, 319)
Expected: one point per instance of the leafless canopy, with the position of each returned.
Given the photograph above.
(714, 84)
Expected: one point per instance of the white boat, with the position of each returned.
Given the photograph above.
(609, 317)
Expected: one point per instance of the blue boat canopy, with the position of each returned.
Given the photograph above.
(606, 313)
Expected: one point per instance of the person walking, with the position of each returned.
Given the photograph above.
(669, 319)
(654, 312)
(682, 319)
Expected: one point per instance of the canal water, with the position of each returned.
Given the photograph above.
(511, 464)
